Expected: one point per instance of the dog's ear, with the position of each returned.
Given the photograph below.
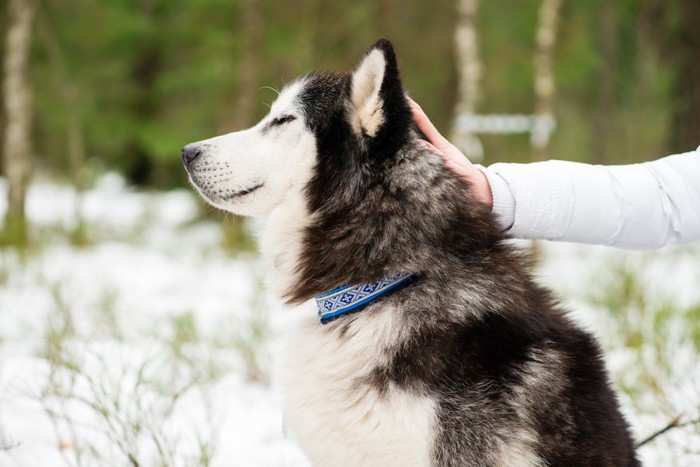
(375, 88)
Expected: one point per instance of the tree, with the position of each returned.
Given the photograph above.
(251, 34)
(17, 99)
(68, 90)
(606, 34)
(670, 27)
(144, 70)
(468, 72)
(686, 50)
(3, 28)
(544, 76)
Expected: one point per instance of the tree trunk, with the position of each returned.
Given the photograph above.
(75, 136)
(686, 49)
(605, 106)
(251, 37)
(546, 37)
(146, 66)
(544, 77)
(672, 28)
(3, 39)
(468, 72)
(17, 99)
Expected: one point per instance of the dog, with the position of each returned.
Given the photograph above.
(434, 347)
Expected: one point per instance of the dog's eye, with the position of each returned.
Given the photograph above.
(282, 120)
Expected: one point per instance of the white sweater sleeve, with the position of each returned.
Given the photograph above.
(640, 206)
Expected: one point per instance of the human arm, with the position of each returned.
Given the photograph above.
(640, 206)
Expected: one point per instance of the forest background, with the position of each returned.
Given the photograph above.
(134, 327)
(124, 84)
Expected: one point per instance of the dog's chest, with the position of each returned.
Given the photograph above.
(335, 412)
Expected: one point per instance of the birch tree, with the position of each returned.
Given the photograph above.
(544, 76)
(468, 72)
(17, 99)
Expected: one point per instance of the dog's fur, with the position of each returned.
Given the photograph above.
(472, 364)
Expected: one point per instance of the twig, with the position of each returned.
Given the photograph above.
(675, 423)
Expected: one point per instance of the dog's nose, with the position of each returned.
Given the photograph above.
(191, 152)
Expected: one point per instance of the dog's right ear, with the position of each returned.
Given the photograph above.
(375, 87)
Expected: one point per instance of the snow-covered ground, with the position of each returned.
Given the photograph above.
(150, 344)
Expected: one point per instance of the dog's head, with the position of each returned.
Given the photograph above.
(323, 124)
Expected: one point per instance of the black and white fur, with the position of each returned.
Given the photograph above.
(472, 364)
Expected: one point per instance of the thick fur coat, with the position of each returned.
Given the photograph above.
(472, 363)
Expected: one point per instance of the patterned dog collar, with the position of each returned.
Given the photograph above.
(352, 297)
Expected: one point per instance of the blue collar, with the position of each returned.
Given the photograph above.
(352, 298)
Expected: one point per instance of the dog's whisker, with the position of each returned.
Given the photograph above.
(271, 89)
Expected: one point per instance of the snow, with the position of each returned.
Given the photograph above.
(153, 341)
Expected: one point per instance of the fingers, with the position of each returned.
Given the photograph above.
(426, 126)
(452, 157)
(431, 147)
(460, 165)
(438, 144)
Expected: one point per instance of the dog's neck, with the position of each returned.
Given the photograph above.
(281, 242)
(354, 298)
(420, 218)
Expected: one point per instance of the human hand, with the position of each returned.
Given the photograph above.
(452, 157)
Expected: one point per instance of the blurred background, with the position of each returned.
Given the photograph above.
(134, 329)
(126, 83)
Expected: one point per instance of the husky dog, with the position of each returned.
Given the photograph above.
(462, 360)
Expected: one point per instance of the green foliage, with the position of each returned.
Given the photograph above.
(60, 327)
(148, 80)
(154, 75)
(236, 238)
(693, 316)
(652, 327)
(79, 236)
(183, 332)
(130, 402)
(14, 232)
(252, 336)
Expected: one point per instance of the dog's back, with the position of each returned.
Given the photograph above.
(469, 364)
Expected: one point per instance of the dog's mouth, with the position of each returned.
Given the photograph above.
(241, 193)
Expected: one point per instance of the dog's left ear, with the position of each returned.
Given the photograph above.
(375, 90)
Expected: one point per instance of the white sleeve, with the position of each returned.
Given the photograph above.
(640, 206)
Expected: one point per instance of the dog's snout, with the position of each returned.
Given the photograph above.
(191, 152)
